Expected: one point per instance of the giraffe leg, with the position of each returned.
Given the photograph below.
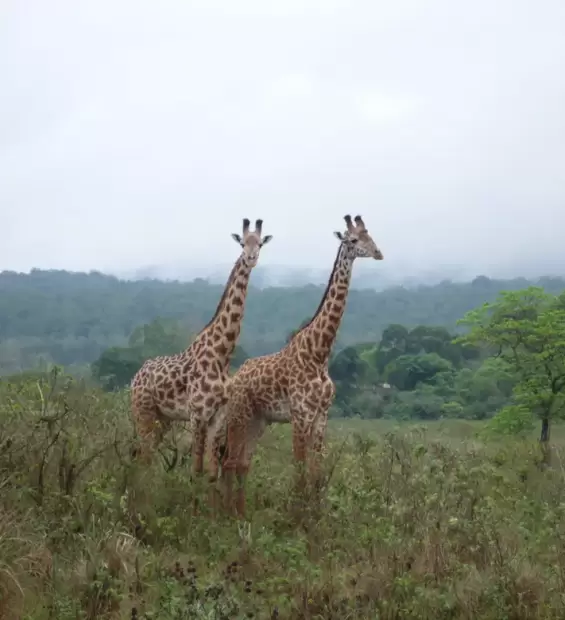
(254, 432)
(151, 428)
(237, 432)
(304, 409)
(215, 449)
(323, 397)
(299, 449)
(199, 432)
(317, 439)
(214, 495)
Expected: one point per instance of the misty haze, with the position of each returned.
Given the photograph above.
(135, 136)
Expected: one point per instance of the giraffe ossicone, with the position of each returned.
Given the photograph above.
(189, 386)
(292, 385)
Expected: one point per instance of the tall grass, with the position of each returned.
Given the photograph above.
(414, 522)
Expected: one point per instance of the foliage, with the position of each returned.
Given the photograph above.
(512, 420)
(71, 318)
(116, 367)
(397, 341)
(406, 371)
(527, 331)
(459, 384)
(415, 370)
(411, 522)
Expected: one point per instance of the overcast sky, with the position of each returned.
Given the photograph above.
(141, 132)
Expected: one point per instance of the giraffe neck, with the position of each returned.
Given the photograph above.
(222, 332)
(317, 338)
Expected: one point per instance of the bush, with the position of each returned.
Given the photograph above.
(512, 420)
(409, 524)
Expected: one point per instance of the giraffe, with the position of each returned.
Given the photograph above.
(292, 385)
(189, 386)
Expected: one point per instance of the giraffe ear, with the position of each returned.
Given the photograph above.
(338, 235)
(236, 238)
(266, 239)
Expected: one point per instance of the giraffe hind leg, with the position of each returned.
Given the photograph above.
(242, 444)
(217, 451)
(254, 432)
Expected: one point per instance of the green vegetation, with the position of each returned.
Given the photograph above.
(71, 318)
(421, 374)
(413, 522)
(98, 326)
(526, 329)
(459, 518)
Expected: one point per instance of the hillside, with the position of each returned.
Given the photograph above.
(70, 318)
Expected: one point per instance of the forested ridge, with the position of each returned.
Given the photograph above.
(70, 482)
(71, 318)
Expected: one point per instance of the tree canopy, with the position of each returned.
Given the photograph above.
(71, 318)
(401, 353)
(526, 331)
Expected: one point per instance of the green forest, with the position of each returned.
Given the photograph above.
(438, 501)
(400, 353)
(70, 318)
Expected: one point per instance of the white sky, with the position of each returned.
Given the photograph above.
(141, 132)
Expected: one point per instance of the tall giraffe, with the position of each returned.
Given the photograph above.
(292, 385)
(189, 386)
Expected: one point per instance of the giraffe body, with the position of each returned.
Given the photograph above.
(189, 386)
(292, 385)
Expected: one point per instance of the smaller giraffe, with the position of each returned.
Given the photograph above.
(189, 386)
(292, 385)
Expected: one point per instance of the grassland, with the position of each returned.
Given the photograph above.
(414, 522)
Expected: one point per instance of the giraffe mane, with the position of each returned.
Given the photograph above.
(324, 296)
(225, 293)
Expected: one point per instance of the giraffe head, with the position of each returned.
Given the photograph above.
(357, 241)
(251, 241)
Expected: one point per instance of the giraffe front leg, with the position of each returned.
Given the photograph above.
(215, 450)
(304, 409)
(299, 446)
(318, 429)
(198, 448)
(317, 441)
(150, 428)
(235, 453)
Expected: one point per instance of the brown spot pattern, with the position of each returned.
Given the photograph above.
(193, 381)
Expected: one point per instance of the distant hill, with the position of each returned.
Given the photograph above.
(365, 275)
(70, 318)
(402, 271)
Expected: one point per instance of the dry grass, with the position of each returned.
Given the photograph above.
(415, 522)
